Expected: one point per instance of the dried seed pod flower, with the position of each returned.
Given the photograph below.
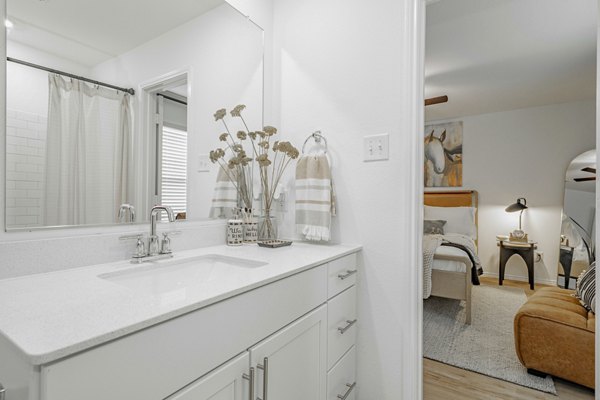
(264, 144)
(270, 130)
(263, 160)
(242, 135)
(223, 137)
(237, 110)
(220, 114)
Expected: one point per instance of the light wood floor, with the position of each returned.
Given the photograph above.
(445, 382)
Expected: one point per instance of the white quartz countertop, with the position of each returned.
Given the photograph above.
(54, 315)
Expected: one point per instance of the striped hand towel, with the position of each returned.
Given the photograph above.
(315, 200)
(225, 196)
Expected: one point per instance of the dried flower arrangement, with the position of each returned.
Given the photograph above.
(240, 166)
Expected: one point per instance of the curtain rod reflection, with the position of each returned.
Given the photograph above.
(68, 75)
(172, 98)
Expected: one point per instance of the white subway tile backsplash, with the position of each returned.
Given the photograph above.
(34, 194)
(16, 123)
(26, 220)
(27, 185)
(25, 164)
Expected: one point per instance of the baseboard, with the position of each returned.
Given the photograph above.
(521, 278)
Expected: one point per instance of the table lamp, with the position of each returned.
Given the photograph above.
(521, 205)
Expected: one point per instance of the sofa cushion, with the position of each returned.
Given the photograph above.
(585, 290)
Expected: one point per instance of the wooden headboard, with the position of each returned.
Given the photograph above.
(463, 198)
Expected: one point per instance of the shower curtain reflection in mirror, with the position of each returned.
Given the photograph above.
(88, 153)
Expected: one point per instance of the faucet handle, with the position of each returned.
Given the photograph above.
(140, 246)
(165, 246)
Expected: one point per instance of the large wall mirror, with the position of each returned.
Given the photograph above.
(578, 230)
(110, 106)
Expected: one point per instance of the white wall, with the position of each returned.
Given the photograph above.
(223, 50)
(524, 153)
(581, 206)
(344, 66)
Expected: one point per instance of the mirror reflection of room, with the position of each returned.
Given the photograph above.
(578, 229)
(509, 202)
(82, 147)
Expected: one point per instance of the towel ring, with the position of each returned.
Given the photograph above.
(318, 137)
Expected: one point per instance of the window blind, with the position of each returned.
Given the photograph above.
(174, 169)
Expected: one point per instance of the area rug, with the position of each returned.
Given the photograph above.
(487, 345)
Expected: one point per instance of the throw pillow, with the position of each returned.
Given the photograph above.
(433, 227)
(585, 290)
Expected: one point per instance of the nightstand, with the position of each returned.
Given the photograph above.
(527, 252)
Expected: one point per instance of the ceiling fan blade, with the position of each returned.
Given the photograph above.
(436, 100)
(589, 169)
(591, 178)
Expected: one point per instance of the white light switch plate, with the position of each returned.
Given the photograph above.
(203, 163)
(377, 147)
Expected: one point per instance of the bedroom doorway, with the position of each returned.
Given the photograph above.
(510, 92)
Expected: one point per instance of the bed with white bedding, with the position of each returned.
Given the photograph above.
(451, 269)
(451, 259)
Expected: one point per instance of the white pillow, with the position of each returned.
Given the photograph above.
(458, 219)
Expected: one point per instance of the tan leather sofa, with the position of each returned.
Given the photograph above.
(554, 334)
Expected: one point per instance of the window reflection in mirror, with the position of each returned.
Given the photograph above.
(81, 151)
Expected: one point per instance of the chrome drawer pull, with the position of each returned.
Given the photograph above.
(265, 369)
(350, 323)
(348, 274)
(2, 392)
(247, 377)
(350, 389)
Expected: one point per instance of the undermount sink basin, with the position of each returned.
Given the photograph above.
(175, 280)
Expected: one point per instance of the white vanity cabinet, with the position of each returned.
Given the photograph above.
(292, 364)
(229, 382)
(290, 339)
(342, 321)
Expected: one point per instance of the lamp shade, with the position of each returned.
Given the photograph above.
(520, 205)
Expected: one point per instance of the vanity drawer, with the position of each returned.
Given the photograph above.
(341, 380)
(342, 274)
(341, 325)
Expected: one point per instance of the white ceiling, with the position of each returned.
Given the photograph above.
(94, 31)
(498, 55)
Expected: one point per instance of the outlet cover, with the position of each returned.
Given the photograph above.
(376, 147)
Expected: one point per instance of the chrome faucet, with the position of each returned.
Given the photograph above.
(154, 245)
(126, 213)
(156, 249)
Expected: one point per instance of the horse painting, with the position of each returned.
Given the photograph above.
(443, 157)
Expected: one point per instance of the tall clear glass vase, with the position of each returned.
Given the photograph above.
(267, 226)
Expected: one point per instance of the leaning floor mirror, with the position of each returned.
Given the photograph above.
(578, 229)
(108, 114)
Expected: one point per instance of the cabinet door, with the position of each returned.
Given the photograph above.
(225, 383)
(292, 363)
